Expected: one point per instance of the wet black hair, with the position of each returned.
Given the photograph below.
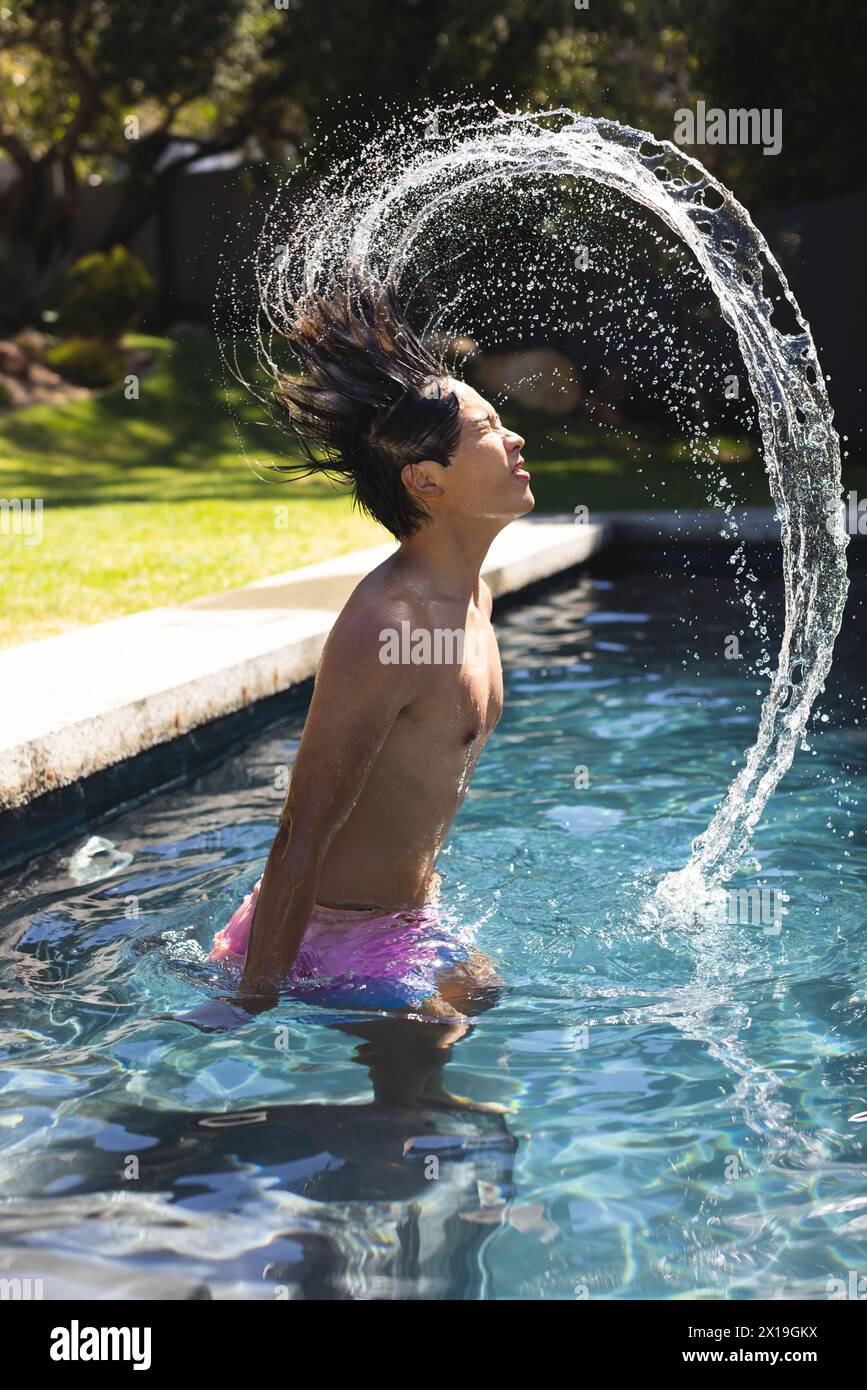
(373, 398)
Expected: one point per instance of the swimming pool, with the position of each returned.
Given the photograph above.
(688, 1108)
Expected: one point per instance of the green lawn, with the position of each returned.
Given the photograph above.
(152, 501)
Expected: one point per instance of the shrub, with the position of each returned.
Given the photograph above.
(107, 293)
(87, 362)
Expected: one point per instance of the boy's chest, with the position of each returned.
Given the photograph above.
(464, 695)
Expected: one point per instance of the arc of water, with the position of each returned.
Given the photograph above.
(351, 219)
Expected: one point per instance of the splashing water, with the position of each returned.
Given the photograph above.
(408, 209)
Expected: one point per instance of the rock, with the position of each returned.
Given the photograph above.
(13, 362)
(540, 378)
(451, 347)
(463, 347)
(13, 393)
(40, 386)
(40, 375)
(32, 343)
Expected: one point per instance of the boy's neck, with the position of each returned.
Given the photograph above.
(451, 556)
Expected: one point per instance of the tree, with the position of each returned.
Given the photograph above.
(137, 90)
(90, 88)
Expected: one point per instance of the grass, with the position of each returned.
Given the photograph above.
(152, 501)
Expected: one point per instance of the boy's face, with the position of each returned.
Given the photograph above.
(486, 476)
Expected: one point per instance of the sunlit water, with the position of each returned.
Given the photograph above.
(688, 1108)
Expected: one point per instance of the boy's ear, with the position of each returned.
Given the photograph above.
(420, 478)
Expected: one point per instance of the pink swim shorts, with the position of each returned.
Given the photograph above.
(363, 958)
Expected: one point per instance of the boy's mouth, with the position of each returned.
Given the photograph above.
(519, 471)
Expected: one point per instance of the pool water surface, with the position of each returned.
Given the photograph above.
(686, 1109)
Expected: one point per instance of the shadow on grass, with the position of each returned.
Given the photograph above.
(188, 437)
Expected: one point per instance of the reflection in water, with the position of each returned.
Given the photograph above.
(391, 1198)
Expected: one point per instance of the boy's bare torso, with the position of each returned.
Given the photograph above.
(384, 853)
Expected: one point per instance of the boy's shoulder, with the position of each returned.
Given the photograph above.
(385, 598)
(375, 610)
(388, 596)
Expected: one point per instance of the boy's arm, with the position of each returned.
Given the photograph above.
(355, 702)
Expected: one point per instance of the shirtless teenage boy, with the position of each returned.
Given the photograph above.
(348, 896)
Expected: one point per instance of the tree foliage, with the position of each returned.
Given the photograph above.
(259, 79)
